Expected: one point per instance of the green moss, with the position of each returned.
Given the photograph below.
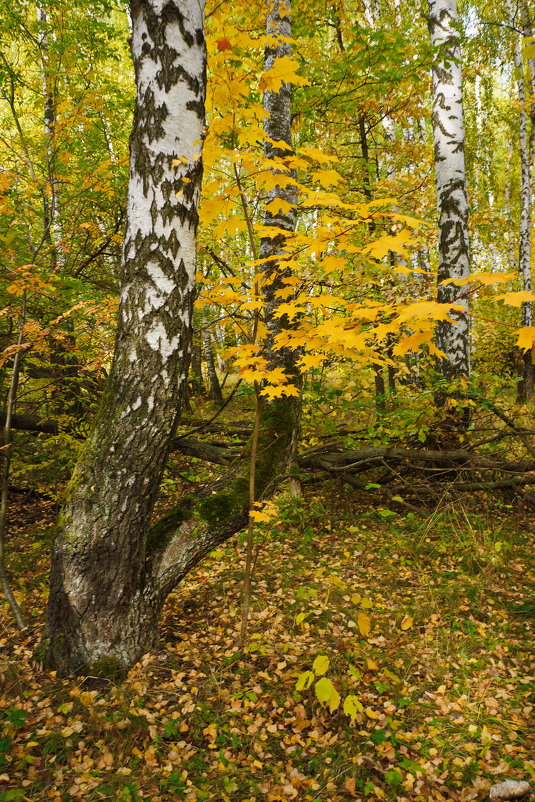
(276, 431)
(41, 653)
(221, 506)
(107, 668)
(162, 532)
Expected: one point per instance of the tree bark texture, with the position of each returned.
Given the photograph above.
(213, 379)
(112, 571)
(101, 606)
(274, 249)
(52, 223)
(452, 337)
(525, 389)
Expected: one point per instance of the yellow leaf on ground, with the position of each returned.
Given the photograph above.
(320, 664)
(364, 623)
(406, 622)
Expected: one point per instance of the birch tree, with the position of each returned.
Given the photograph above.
(101, 605)
(452, 336)
(111, 569)
(525, 390)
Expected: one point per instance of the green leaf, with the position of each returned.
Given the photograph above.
(410, 765)
(393, 778)
(327, 694)
(304, 681)
(320, 665)
(352, 706)
(387, 513)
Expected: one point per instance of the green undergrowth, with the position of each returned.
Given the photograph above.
(428, 623)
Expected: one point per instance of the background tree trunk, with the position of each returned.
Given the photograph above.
(274, 249)
(213, 379)
(452, 337)
(525, 386)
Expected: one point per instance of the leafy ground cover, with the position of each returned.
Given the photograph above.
(425, 623)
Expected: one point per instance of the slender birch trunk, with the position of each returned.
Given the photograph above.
(213, 379)
(525, 387)
(53, 224)
(452, 336)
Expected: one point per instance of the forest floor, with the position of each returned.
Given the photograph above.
(428, 622)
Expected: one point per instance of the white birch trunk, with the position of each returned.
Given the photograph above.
(526, 189)
(452, 337)
(102, 606)
(53, 224)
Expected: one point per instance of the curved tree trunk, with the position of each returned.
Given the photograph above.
(101, 606)
(452, 337)
(111, 572)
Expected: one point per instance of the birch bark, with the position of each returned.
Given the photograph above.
(524, 89)
(101, 607)
(452, 336)
(53, 224)
(112, 571)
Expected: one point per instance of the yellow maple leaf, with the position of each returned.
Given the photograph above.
(272, 391)
(279, 205)
(392, 242)
(259, 517)
(330, 263)
(427, 310)
(412, 342)
(526, 338)
(311, 361)
(284, 70)
(327, 178)
(486, 279)
(317, 155)
(517, 298)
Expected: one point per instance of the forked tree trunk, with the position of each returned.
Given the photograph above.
(101, 606)
(111, 572)
(452, 337)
